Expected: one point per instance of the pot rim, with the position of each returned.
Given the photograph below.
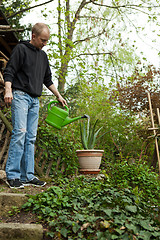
(90, 150)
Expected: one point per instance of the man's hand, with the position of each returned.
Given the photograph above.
(62, 101)
(8, 96)
(54, 90)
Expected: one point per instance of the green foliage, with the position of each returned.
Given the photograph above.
(10, 8)
(87, 208)
(137, 177)
(123, 141)
(56, 148)
(123, 138)
(78, 45)
(14, 210)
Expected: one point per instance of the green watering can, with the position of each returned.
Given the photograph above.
(58, 117)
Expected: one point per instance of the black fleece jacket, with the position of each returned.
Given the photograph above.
(27, 69)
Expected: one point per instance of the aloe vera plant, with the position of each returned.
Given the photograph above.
(89, 134)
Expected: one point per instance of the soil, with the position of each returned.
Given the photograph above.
(22, 216)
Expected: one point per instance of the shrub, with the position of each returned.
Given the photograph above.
(137, 177)
(58, 148)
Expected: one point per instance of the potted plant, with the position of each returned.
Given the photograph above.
(89, 158)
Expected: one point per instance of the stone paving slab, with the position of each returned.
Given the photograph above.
(8, 200)
(19, 231)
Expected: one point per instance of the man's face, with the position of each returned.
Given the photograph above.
(39, 41)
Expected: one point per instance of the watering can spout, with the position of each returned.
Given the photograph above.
(85, 116)
(70, 120)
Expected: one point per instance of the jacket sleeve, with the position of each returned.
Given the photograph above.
(48, 76)
(14, 64)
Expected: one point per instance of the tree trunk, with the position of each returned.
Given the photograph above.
(66, 56)
(62, 76)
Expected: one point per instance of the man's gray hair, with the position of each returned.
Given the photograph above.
(39, 27)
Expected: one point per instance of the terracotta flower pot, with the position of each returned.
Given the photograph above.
(89, 160)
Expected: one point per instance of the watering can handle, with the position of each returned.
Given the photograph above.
(56, 102)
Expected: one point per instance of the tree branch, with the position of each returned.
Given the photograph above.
(93, 17)
(113, 66)
(67, 13)
(81, 6)
(29, 8)
(124, 6)
(92, 54)
(59, 28)
(131, 6)
(89, 38)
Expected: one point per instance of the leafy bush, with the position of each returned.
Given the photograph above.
(137, 177)
(91, 209)
(125, 138)
(56, 147)
(93, 99)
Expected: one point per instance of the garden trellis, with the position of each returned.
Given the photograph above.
(154, 129)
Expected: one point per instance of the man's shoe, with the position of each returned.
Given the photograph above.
(14, 183)
(35, 182)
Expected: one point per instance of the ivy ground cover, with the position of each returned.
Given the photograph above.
(84, 208)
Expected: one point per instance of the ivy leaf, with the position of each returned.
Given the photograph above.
(156, 234)
(115, 237)
(108, 212)
(75, 227)
(64, 232)
(131, 208)
(145, 234)
(119, 231)
(132, 227)
(145, 224)
(80, 217)
(99, 235)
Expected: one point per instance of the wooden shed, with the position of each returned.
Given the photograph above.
(8, 38)
(8, 41)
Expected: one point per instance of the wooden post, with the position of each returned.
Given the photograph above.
(3, 55)
(154, 131)
(5, 26)
(158, 116)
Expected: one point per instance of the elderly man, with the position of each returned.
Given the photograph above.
(26, 72)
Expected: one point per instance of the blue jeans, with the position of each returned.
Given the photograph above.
(25, 113)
